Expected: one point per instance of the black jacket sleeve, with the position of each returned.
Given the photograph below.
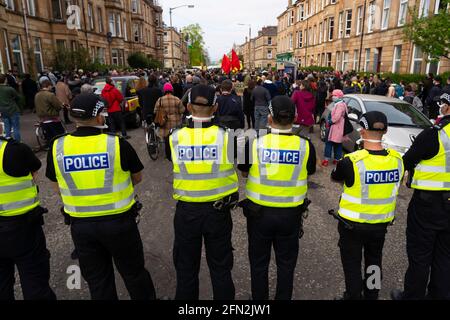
(425, 147)
(312, 160)
(344, 172)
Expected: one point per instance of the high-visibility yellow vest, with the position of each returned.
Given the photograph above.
(278, 176)
(17, 195)
(434, 174)
(373, 196)
(90, 177)
(201, 168)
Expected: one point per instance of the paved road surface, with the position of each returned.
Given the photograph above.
(319, 272)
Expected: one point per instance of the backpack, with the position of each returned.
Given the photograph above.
(399, 92)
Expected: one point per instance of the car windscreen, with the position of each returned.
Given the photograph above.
(99, 85)
(399, 114)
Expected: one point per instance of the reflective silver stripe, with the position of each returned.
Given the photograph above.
(365, 216)
(362, 176)
(18, 204)
(431, 184)
(367, 201)
(96, 191)
(17, 187)
(276, 199)
(111, 150)
(446, 142)
(278, 183)
(205, 193)
(105, 207)
(204, 176)
(431, 169)
(60, 160)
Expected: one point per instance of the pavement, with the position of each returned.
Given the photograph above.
(318, 275)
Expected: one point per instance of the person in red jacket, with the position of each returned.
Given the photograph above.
(114, 99)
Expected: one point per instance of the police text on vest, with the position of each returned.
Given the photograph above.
(198, 153)
(280, 156)
(381, 177)
(86, 162)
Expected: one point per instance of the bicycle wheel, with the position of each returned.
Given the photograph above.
(153, 144)
(40, 137)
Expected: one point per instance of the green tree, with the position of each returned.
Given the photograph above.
(196, 44)
(431, 33)
(138, 60)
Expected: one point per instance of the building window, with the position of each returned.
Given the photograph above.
(269, 41)
(386, 10)
(371, 19)
(112, 24)
(118, 28)
(330, 28)
(355, 59)
(403, 9)
(101, 55)
(348, 23)
(359, 21)
(344, 60)
(31, 6)
(314, 35)
(397, 59)
(125, 33)
(367, 60)
(269, 54)
(115, 57)
(300, 39)
(329, 59)
(17, 53)
(301, 12)
(100, 20)
(9, 4)
(325, 34)
(291, 44)
(136, 32)
(424, 8)
(38, 55)
(166, 50)
(417, 59)
(332, 1)
(341, 25)
(338, 61)
(433, 65)
(91, 16)
(292, 17)
(135, 6)
(320, 32)
(8, 57)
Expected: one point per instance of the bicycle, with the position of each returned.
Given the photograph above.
(41, 136)
(153, 140)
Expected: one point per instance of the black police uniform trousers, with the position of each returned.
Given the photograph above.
(428, 246)
(195, 222)
(99, 242)
(363, 239)
(280, 228)
(23, 244)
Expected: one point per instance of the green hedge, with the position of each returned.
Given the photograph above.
(317, 69)
(408, 78)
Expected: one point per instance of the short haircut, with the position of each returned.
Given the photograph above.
(227, 85)
(284, 118)
(46, 84)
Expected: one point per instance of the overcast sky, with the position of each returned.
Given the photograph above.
(219, 19)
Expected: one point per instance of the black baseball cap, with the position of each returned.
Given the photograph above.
(374, 121)
(282, 107)
(86, 106)
(203, 95)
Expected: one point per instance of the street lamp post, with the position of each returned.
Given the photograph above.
(171, 29)
(249, 43)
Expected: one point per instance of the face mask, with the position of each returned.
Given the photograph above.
(368, 140)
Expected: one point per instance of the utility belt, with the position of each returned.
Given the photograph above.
(351, 225)
(132, 213)
(434, 196)
(223, 205)
(32, 217)
(254, 210)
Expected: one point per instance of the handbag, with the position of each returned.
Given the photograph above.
(161, 117)
(348, 128)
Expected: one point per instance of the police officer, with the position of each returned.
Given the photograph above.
(96, 174)
(276, 199)
(205, 185)
(428, 226)
(22, 240)
(371, 178)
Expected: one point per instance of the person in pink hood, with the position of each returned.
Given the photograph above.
(306, 104)
(336, 123)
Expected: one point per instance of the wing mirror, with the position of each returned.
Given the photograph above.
(353, 117)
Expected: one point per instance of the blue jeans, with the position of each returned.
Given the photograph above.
(329, 146)
(12, 122)
(261, 113)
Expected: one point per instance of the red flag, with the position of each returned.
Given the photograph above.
(226, 64)
(235, 62)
